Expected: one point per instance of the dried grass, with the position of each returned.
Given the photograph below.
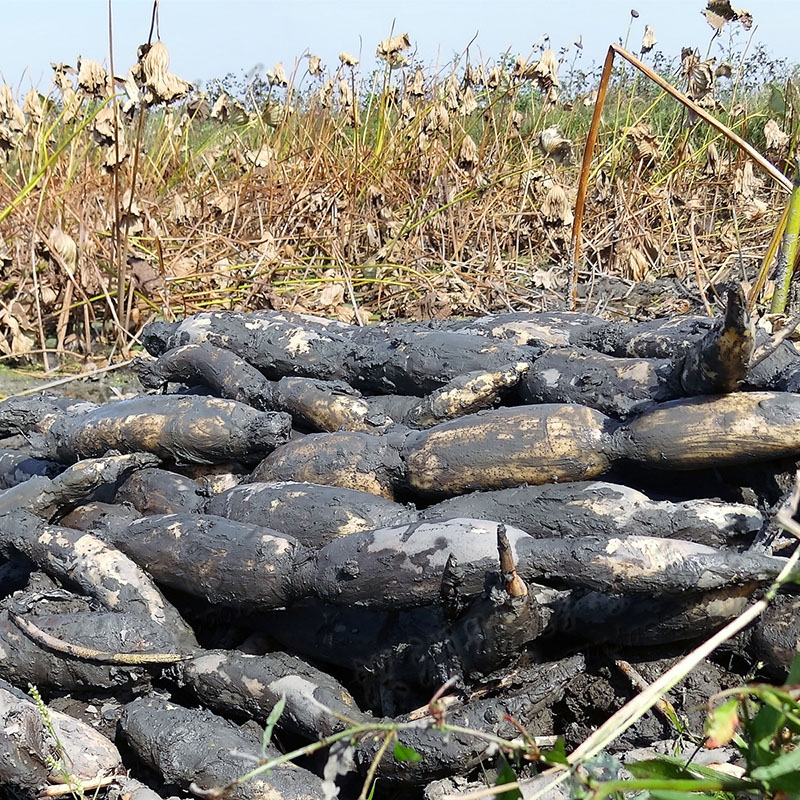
(361, 197)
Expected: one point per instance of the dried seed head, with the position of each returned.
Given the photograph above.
(221, 109)
(64, 249)
(390, 50)
(637, 267)
(345, 93)
(494, 78)
(11, 115)
(132, 95)
(417, 86)
(326, 93)
(61, 79)
(347, 59)
(102, 126)
(473, 76)
(649, 40)
(776, 139)
(645, 143)
(163, 86)
(93, 80)
(468, 153)
(468, 102)
(724, 70)
(553, 144)
(545, 70)
(278, 76)
(712, 160)
(155, 62)
(699, 76)
(745, 181)
(314, 66)
(451, 93)
(718, 12)
(556, 208)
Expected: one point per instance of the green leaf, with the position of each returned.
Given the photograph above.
(506, 775)
(273, 717)
(722, 722)
(783, 765)
(558, 755)
(671, 794)
(698, 771)
(403, 753)
(777, 102)
(657, 768)
(788, 785)
(794, 671)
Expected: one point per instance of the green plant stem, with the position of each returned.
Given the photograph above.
(689, 785)
(788, 254)
(32, 183)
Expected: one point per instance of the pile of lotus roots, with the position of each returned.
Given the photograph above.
(526, 517)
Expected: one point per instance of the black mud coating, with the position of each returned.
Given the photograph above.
(225, 562)
(776, 636)
(540, 688)
(392, 359)
(658, 338)
(25, 414)
(160, 491)
(201, 430)
(619, 387)
(538, 330)
(379, 552)
(100, 571)
(16, 468)
(311, 513)
(47, 496)
(583, 508)
(640, 620)
(347, 459)
(103, 631)
(102, 519)
(223, 371)
(720, 360)
(186, 746)
(32, 747)
(231, 681)
(316, 404)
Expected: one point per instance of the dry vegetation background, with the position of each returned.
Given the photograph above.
(401, 193)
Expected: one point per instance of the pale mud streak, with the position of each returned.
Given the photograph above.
(468, 539)
(101, 563)
(641, 556)
(300, 342)
(719, 514)
(551, 377)
(300, 691)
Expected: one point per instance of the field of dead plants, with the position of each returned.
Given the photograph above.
(511, 532)
(398, 193)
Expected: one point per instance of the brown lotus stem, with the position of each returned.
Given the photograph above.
(515, 586)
